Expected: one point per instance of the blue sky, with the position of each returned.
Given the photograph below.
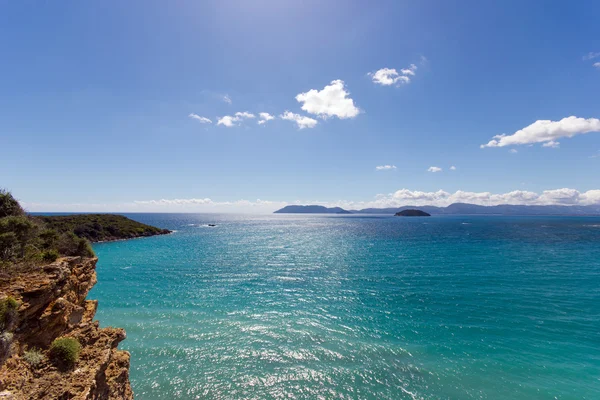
(96, 98)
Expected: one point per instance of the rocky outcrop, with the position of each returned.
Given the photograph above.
(52, 304)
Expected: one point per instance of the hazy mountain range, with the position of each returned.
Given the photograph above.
(452, 209)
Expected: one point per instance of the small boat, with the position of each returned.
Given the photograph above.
(212, 225)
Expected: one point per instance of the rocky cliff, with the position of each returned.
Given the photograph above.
(52, 303)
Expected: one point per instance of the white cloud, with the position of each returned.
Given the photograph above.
(389, 76)
(453, 168)
(546, 131)
(227, 121)
(597, 65)
(203, 120)
(385, 167)
(332, 101)
(230, 121)
(513, 151)
(300, 120)
(591, 55)
(226, 99)
(264, 117)
(434, 169)
(244, 114)
(552, 144)
(402, 197)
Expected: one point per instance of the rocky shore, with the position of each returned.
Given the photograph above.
(51, 303)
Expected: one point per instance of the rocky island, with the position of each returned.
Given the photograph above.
(412, 213)
(50, 345)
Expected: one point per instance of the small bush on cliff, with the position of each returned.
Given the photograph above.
(8, 312)
(65, 350)
(34, 356)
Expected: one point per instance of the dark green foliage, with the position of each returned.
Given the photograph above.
(27, 241)
(23, 229)
(9, 206)
(65, 351)
(100, 227)
(49, 238)
(50, 255)
(8, 312)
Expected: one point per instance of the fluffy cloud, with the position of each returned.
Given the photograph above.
(597, 65)
(546, 131)
(202, 120)
(264, 117)
(404, 197)
(453, 168)
(300, 120)
(389, 76)
(227, 121)
(230, 121)
(385, 167)
(434, 169)
(331, 101)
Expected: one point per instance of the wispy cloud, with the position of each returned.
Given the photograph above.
(332, 101)
(591, 55)
(551, 144)
(597, 65)
(390, 76)
(202, 120)
(226, 99)
(385, 167)
(453, 168)
(546, 131)
(300, 120)
(434, 169)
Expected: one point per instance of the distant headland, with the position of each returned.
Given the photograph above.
(313, 209)
(452, 209)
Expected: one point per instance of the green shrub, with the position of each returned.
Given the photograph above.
(65, 350)
(9, 206)
(50, 255)
(71, 245)
(34, 356)
(8, 312)
(9, 246)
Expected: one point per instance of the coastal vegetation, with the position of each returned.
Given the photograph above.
(27, 240)
(100, 227)
(65, 350)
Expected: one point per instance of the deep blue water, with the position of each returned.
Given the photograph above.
(350, 307)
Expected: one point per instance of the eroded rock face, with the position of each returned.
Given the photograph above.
(52, 304)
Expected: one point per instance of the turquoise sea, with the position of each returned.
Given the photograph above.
(357, 307)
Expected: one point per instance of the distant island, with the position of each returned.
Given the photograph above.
(311, 210)
(412, 213)
(453, 209)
